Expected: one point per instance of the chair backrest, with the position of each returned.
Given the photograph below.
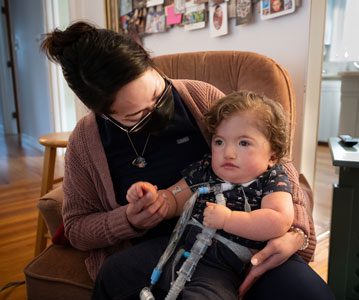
(232, 71)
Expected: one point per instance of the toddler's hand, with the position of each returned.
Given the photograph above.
(141, 190)
(215, 215)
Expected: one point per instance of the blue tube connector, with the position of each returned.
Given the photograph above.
(204, 190)
(218, 188)
(156, 273)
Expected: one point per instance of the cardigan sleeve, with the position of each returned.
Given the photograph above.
(89, 220)
(302, 217)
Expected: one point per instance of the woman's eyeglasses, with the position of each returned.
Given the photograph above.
(143, 121)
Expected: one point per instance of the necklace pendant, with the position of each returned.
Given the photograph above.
(139, 162)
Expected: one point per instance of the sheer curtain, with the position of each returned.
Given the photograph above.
(342, 30)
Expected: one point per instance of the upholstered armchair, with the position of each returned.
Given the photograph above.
(59, 272)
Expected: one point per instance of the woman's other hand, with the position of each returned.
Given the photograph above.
(276, 252)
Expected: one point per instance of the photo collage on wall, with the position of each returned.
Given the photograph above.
(141, 17)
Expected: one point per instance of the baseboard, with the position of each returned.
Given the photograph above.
(323, 235)
(321, 143)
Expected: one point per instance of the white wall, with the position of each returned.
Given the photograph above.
(285, 39)
(93, 11)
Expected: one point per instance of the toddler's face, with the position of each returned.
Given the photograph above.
(240, 151)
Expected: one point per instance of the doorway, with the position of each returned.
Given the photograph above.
(340, 60)
(9, 115)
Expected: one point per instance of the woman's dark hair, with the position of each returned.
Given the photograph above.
(96, 63)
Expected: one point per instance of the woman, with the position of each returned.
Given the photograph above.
(144, 127)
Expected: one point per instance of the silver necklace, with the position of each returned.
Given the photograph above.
(139, 161)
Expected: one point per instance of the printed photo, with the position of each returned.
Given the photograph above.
(154, 2)
(243, 11)
(134, 22)
(276, 8)
(231, 9)
(199, 1)
(126, 7)
(139, 4)
(180, 6)
(155, 20)
(194, 16)
(171, 17)
(215, 2)
(218, 20)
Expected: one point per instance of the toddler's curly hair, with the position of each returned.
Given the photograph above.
(271, 118)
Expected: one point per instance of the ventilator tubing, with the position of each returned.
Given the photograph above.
(204, 239)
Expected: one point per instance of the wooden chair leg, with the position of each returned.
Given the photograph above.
(48, 170)
(46, 186)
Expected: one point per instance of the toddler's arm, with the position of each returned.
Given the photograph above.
(176, 196)
(273, 219)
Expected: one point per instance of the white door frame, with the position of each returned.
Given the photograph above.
(312, 91)
(7, 101)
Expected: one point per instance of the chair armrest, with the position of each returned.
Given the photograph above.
(308, 193)
(50, 206)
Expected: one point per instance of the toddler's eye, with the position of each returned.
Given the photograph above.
(244, 143)
(218, 142)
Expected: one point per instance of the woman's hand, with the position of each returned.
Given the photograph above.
(146, 207)
(276, 252)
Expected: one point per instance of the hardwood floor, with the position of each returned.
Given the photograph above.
(325, 176)
(20, 176)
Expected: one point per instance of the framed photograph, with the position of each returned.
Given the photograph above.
(276, 8)
(112, 14)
